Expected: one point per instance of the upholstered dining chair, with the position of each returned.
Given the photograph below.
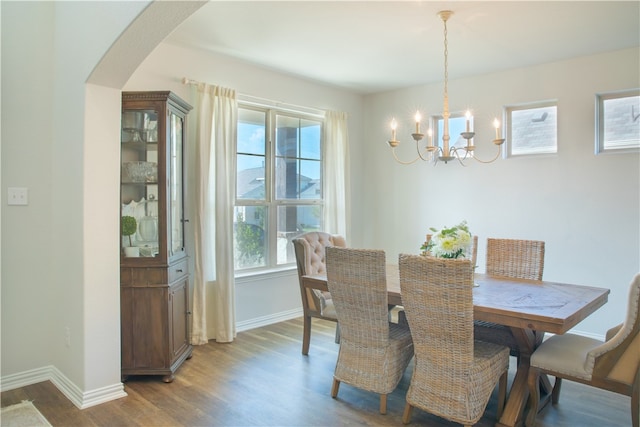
(453, 375)
(517, 259)
(612, 365)
(374, 352)
(310, 259)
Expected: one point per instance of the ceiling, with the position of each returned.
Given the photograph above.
(374, 46)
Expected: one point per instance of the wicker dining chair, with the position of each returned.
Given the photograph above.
(374, 352)
(453, 375)
(471, 253)
(310, 259)
(517, 259)
(612, 365)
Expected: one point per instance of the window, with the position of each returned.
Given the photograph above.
(532, 128)
(618, 121)
(279, 191)
(457, 125)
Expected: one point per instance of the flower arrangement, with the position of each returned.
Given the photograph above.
(449, 242)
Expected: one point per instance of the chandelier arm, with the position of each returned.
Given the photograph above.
(426, 150)
(402, 162)
(454, 151)
(466, 152)
(488, 161)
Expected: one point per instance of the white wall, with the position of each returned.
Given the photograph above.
(585, 207)
(277, 295)
(60, 265)
(44, 69)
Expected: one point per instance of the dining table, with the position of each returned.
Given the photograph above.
(527, 307)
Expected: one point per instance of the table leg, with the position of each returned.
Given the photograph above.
(513, 414)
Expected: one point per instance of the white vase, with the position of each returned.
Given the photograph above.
(148, 228)
(131, 251)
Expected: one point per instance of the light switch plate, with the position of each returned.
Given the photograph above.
(18, 196)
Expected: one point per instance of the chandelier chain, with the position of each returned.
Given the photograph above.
(446, 62)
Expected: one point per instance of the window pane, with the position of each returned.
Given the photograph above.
(298, 158)
(293, 221)
(298, 179)
(250, 170)
(250, 180)
(310, 139)
(621, 123)
(533, 130)
(249, 240)
(251, 132)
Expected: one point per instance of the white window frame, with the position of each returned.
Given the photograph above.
(271, 201)
(509, 128)
(630, 119)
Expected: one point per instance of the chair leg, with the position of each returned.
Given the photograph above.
(306, 335)
(534, 396)
(337, 333)
(502, 393)
(383, 404)
(406, 416)
(334, 388)
(635, 401)
(555, 392)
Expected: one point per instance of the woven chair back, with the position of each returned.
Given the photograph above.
(358, 285)
(437, 295)
(518, 259)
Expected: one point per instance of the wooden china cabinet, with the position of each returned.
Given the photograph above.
(154, 274)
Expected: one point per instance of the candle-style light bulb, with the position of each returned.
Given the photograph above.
(418, 117)
(496, 124)
(430, 134)
(468, 117)
(394, 126)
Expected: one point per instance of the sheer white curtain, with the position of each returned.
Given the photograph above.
(215, 194)
(336, 174)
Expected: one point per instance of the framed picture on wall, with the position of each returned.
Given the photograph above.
(618, 121)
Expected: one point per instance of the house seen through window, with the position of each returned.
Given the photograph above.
(278, 185)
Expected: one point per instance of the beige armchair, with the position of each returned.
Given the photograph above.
(374, 352)
(613, 365)
(453, 376)
(310, 258)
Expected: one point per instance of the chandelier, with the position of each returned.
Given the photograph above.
(445, 152)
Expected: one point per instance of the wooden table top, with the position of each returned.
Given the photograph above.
(542, 306)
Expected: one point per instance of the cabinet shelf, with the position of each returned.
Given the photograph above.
(140, 146)
(136, 183)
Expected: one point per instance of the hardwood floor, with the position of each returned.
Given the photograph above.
(262, 379)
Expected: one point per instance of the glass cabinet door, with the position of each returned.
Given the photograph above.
(176, 214)
(139, 183)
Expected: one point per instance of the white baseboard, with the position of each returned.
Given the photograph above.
(268, 320)
(72, 392)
